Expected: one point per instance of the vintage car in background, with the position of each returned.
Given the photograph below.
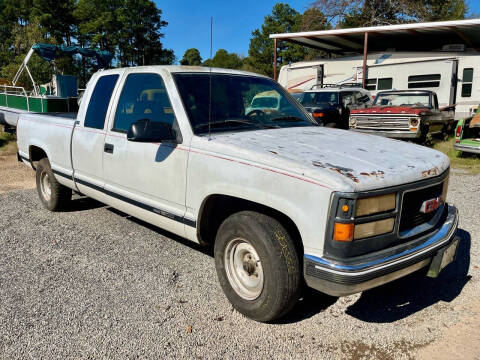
(266, 101)
(330, 105)
(406, 114)
(467, 134)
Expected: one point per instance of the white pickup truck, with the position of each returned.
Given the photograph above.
(283, 201)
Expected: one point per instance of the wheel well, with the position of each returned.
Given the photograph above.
(36, 153)
(216, 208)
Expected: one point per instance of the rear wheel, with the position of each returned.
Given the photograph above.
(257, 265)
(54, 196)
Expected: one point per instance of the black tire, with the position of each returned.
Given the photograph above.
(59, 196)
(278, 258)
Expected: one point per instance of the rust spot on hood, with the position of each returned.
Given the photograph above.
(344, 171)
(273, 152)
(335, 167)
(431, 172)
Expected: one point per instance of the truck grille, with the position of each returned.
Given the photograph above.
(412, 202)
(383, 123)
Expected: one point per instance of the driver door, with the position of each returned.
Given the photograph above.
(147, 180)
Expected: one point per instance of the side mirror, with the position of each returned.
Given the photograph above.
(145, 130)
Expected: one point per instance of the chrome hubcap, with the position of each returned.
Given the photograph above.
(45, 186)
(244, 269)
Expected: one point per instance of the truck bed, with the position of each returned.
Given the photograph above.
(9, 116)
(52, 133)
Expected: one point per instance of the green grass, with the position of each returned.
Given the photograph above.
(462, 161)
(7, 143)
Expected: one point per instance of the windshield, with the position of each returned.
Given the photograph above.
(234, 104)
(412, 100)
(319, 98)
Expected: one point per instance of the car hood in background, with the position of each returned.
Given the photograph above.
(391, 110)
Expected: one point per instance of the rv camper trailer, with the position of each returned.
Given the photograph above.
(454, 76)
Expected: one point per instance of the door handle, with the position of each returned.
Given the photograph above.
(108, 148)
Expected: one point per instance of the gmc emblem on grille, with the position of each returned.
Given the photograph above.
(431, 205)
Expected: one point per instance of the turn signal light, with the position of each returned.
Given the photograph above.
(318, 115)
(343, 232)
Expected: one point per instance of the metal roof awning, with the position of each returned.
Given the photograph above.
(404, 37)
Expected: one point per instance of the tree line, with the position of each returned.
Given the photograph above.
(132, 31)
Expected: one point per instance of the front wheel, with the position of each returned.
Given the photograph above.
(54, 196)
(257, 265)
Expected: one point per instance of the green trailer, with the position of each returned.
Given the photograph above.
(59, 96)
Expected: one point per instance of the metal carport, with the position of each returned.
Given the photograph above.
(404, 37)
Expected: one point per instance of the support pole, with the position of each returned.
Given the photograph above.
(275, 59)
(365, 52)
(23, 65)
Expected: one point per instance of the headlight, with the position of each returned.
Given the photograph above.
(345, 230)
(353, 121)
(373, 228)
(414, 124)
(376, 204)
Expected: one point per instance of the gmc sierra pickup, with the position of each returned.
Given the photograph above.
(283, 201)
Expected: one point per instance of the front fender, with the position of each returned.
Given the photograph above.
(306, 204)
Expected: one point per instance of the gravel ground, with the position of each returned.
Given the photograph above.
(94, 283)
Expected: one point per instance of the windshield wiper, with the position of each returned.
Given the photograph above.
(227, 122)
(287, 118)
(292, 118)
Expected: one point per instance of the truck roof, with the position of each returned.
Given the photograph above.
(406, 91)
(335, 89)
(186, 69)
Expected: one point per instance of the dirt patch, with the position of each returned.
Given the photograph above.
(8, 145)
(15, 175)
(461, 341)
(358, 350)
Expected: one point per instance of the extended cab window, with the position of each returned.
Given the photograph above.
(98, 105)
(144, 96)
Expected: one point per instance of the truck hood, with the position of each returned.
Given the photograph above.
(338, 159)
(391, 110)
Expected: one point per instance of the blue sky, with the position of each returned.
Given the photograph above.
(233, 23)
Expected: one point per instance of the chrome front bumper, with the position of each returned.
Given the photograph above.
(337, 279)
(391, 134)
